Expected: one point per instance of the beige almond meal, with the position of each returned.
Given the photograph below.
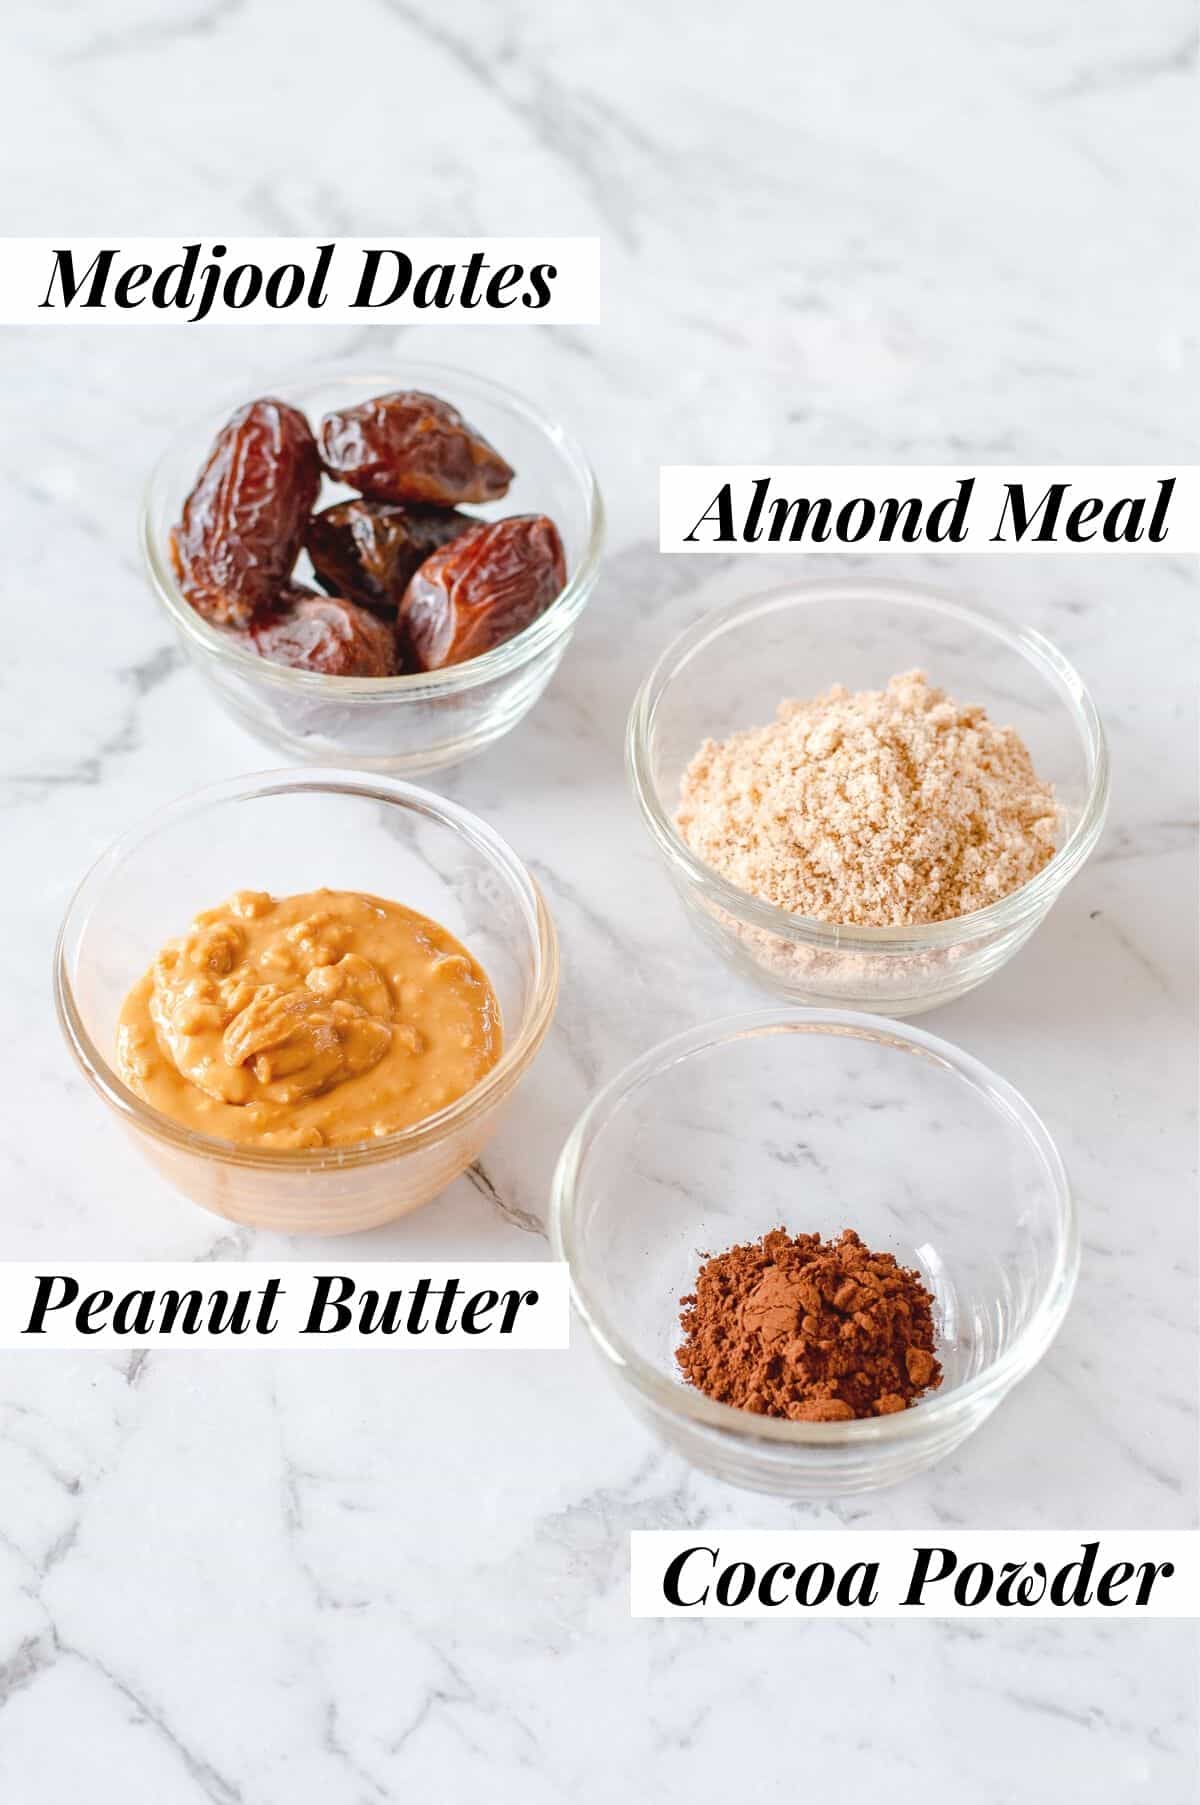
(883, 808)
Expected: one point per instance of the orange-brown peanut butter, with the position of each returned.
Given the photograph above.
(323, 1020)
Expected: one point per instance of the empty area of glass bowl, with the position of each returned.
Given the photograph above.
(817, 1125)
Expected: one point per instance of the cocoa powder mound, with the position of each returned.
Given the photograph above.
(818, 1331)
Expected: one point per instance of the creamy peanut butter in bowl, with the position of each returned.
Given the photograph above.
(328, 1047)
(325, 1020)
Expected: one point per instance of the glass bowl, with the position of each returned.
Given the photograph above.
(400, 724)
(290, 832)
(816, 1122)
(732, 669)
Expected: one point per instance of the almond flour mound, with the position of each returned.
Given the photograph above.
(884, 808)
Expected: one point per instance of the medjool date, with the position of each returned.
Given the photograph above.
(368, 550)
(483, 588)
(411, 447)
(325, 633)
(243, 523)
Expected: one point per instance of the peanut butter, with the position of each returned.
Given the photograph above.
(323, 1020)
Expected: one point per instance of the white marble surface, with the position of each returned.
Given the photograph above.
(870, 233)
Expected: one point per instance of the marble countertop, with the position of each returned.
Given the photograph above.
(871, 234)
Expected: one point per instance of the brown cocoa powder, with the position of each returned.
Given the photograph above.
(818, 1331)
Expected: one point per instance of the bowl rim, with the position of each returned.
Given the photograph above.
(1030, 899)
(682, 1402)
(455, 679)
(516, 1053)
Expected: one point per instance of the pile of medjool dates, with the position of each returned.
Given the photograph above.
(413, 583)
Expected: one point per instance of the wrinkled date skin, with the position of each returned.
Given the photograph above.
(412, 447)
(325, 633)
(369, 550)
(482, 589)
(243, 523)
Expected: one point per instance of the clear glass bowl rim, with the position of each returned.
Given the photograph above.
(684, 1402)
(517, 1052)
(456, 679)
(1030, 899)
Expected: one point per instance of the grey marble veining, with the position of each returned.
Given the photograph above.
(874, 234)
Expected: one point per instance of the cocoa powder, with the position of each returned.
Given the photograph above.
(818, 1331)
